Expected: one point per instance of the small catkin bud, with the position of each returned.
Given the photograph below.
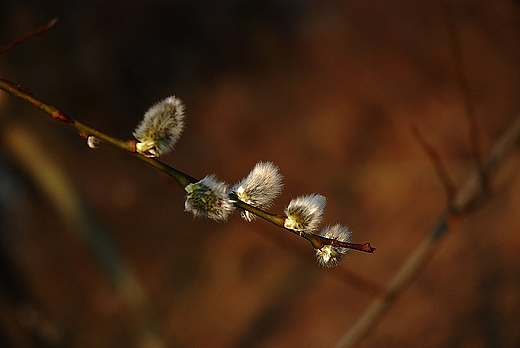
(305, 213)
(92, 141)
(208, 197)
(259, 188)
(328, 255)
(160, 128)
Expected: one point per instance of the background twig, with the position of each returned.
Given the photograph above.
(440, 167)
(466, 92)
(33, 33)
(464, 199)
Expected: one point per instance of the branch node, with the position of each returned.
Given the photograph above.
(58, 115)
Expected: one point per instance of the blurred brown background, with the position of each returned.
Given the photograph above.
(326, 90)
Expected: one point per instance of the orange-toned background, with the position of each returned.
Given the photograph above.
(326, 90)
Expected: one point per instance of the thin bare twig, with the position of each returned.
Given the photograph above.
(33, 33)
(464, 199)
(440, 167)
(467, 94)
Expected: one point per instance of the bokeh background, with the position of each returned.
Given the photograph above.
(96, 250)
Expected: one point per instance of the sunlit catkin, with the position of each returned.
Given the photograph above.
(328, 255)
(208, 197)
(259, 188)
(305, 213)
(160, 128)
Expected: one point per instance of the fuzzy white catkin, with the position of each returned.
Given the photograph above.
(259, 188)
(160, 128)
(328, 255)
(305, 213)
(208, 197)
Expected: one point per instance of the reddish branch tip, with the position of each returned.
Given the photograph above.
(319, 242)
(368, 248)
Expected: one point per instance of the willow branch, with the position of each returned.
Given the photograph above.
(182, 179)
(86, 131)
